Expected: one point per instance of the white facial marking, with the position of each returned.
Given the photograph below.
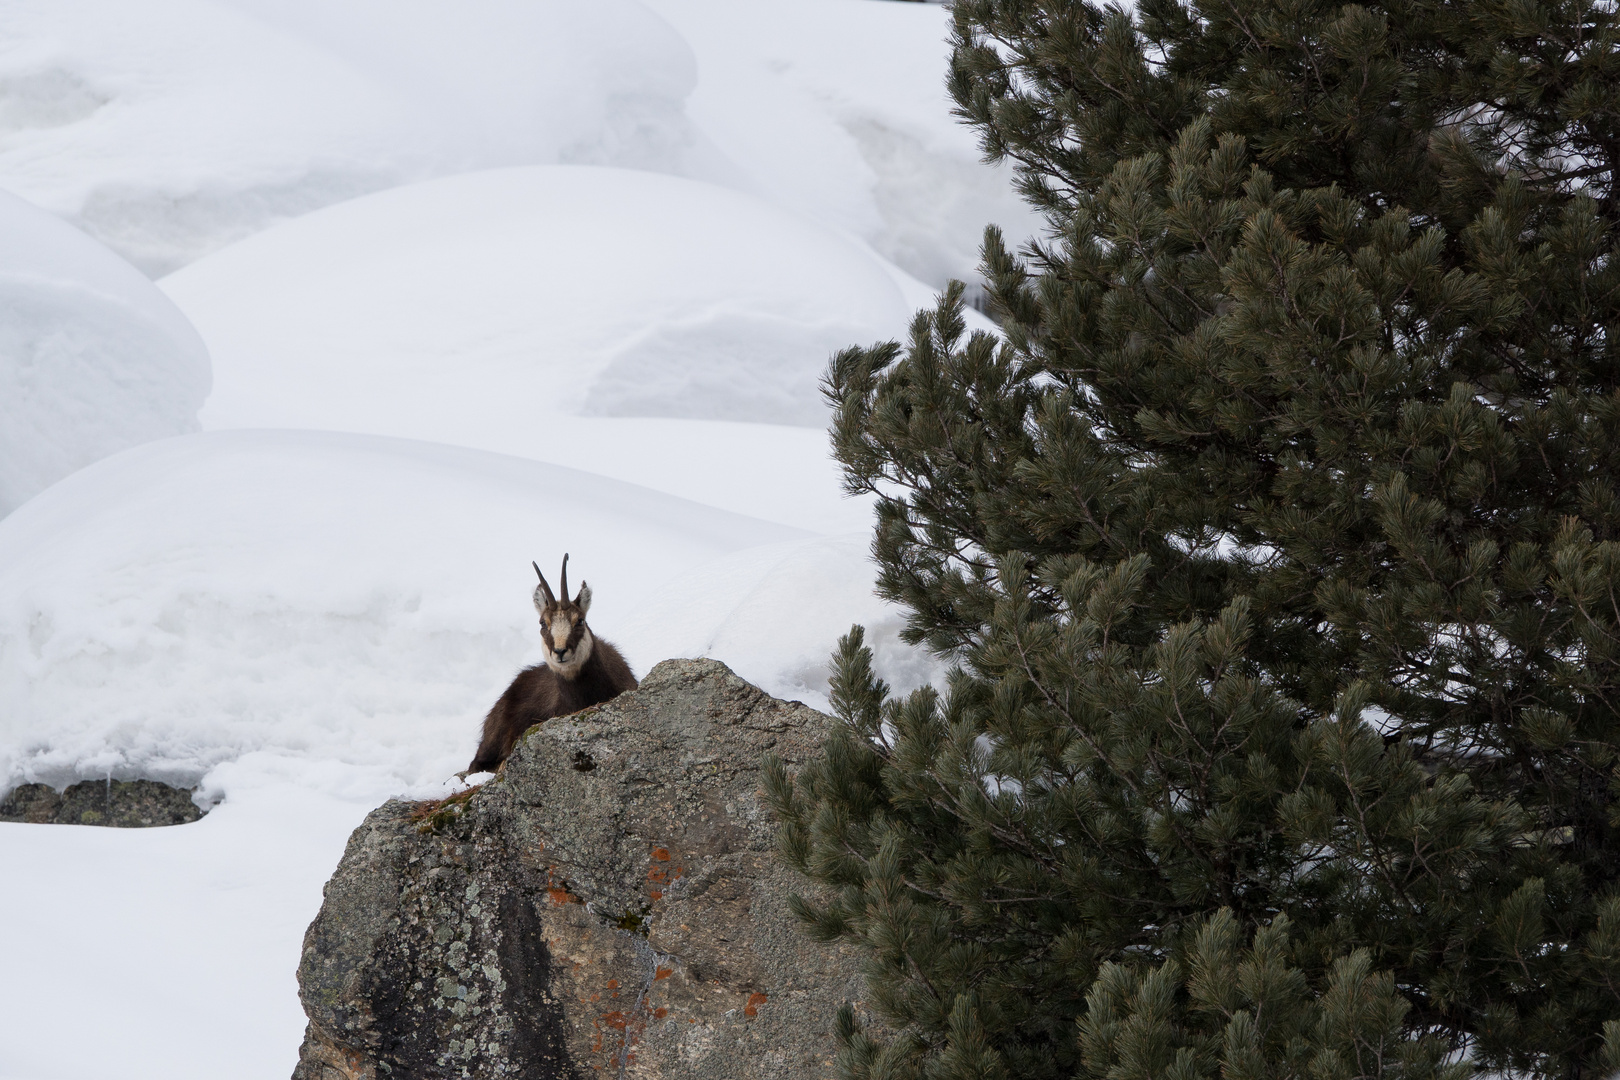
(561, 627)
(568, 667)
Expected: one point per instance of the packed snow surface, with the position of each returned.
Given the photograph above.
(93, 358)
(470, 309)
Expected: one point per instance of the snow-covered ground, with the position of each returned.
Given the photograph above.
(93, 358)
(471, 308)
(444, 289)
(168, 128)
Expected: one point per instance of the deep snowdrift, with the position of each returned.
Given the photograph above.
(838, 108)
(344, 598)
(168, 127)
(308, 622)
(468, 309)
(93, 358)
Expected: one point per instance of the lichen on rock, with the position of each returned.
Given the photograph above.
(628, 918)
(121, 804)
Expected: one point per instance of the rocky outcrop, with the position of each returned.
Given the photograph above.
(609, 904)
(122, 804)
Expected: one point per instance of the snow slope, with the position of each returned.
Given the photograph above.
(166, 128)
(170, 954)
(461, 349)
(354, 599)
(93, 358)
(838, 108)
(534, 311)
(465, 308)
(306, 623)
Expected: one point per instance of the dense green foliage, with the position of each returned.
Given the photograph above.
(1278, 550)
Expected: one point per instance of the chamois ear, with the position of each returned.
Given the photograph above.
(584, 598)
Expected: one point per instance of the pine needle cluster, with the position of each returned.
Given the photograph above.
(1276, 543)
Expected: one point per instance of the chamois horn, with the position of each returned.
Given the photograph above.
(545, 586)
(565, 577)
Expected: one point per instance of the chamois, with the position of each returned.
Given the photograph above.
(580, 670)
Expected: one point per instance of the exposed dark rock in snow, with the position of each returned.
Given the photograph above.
(122, 804)
(610, 903)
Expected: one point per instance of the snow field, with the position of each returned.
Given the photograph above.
(157, 953)
(306, 623)
(482, 283)
(353, 599)
(470, 309)
(838, 108)
(167, 128)
(93, 358)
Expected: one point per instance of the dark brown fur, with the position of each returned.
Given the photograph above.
(539, 693)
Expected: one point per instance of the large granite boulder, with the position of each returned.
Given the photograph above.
(610, 903)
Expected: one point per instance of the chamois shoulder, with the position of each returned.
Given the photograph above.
(614, 667)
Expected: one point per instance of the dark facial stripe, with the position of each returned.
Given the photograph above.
(576, 631)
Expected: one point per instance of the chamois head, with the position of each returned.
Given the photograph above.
(567, 639)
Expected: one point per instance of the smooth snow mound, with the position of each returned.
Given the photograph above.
(358, 601)
(838, 109)
(468, 309)
(93, 358)
(167, 128)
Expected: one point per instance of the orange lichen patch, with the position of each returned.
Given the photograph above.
(558, 892)
(615, 1020)
(661, 854)
(663, 973)
(656, 894)
(754, 1002)
(613, 984)
(660, 1012)
(657, 873)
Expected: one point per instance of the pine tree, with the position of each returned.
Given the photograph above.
(1276, 545)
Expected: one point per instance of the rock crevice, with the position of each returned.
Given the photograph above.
(610, 903)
